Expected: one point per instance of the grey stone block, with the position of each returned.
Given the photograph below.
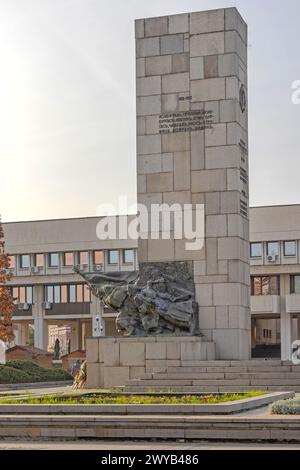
(222, 157)
(209, 44)
(148, 86)
(234, 44)
(139, 28)
(196, 68)
(211, 66)
(208, 181)
(208, 90)
(207, 21)
(147, 47)
(180, 62)
(171, 44)
(175, 83)
(140, 67)
(234, 21)
(228, 65)
(182, 171)
(197, 150)
(148, 144)
(156, 26)
(179, 23)
(170, 103)
(158, 65)
(148, 105)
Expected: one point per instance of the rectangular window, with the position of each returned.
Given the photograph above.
(128, 256)
(57, 294)
(98, 257)
(64, 294)
(53, 260)
(86, 294)
(15, 294)
(68, 259)
(72, 294)
(84, 258)
(289, 248)
(12, 262)
(265, 285)
(79, 292)
(295, 284)
(50, 294)
(23, 295)
(273, 249)
(113, 256)
(256, 250)
(24, 261)
(39, 261)
(29, 295)
(67, 293)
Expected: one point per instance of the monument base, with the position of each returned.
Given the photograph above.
(111, 362)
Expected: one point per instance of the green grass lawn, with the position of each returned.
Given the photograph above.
(122, 399)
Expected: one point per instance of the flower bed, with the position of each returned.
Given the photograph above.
(128, 399)
(286, 407)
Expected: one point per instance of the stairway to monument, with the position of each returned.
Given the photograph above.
(220, 376)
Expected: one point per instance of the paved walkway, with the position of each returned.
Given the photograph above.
(37, 391)
(134, 445)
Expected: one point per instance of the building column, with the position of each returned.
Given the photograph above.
(286, 336)
(41, 333)
(40, 324)
(22, 334)
(76, 336)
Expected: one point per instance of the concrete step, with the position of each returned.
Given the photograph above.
(213, 389)
(250, 363)
(210, 370)
(226, 375)
(147, 427)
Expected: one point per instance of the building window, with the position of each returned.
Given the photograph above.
(86, 293)
(255, 250)
(273, 249)
(79, 292)
(98, 257)
(39, 261)
(67, 293)
(113, 256)
(64, 294)
(289, 248)
(23, 295)
(265, 285)
(72, 294)
(12, 262)
(295, 284)
(68, 259)
(56, 294)
(84, 258)
(267, 334)
(128, 256)
(53, 260)
(49, 297)
(25, 261)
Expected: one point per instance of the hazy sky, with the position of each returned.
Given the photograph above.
(67, 102)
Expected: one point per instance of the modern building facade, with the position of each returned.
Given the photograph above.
(52, 300)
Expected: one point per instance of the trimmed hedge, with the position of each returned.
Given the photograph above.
(286, 407)
(26, 372)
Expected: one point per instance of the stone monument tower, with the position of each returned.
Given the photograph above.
(192, 148)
